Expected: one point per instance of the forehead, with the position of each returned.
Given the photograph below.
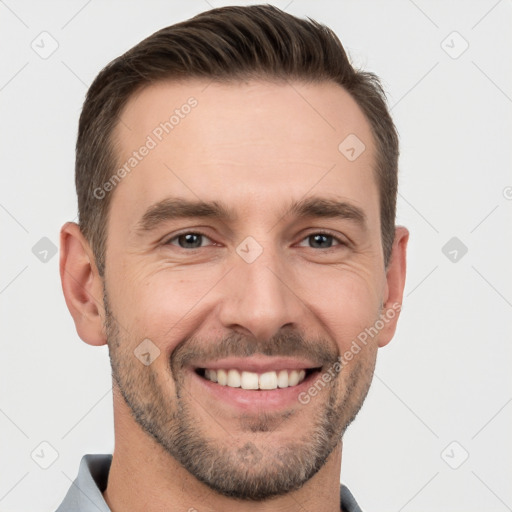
(248, 142)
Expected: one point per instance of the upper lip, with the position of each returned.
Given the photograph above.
(259, 364)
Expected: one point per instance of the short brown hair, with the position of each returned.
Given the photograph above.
(224, 45)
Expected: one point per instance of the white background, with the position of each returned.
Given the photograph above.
(446, 375)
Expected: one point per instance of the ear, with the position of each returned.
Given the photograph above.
(82, 285)
(395, 283)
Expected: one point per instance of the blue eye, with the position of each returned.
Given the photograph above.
(195, 240)
(190, 240)
(322, 240)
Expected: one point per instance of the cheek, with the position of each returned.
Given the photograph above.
(162, 304)
(344, 299)
(167, 304)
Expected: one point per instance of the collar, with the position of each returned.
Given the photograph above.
(85, 493)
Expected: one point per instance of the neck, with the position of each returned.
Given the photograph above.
(145, 477)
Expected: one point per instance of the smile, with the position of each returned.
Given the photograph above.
(255, 381)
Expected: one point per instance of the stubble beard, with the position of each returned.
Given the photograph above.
(246, 466)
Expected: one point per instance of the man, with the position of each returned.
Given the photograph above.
(237, 250)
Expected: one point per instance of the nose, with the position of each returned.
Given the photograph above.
(259, 298)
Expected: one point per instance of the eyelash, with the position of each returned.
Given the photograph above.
(195, 232)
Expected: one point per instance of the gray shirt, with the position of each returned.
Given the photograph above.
(85, 493)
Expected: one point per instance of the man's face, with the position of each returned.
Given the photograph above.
(268, 289)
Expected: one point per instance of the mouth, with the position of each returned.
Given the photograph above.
(256, 381)
(253, 384)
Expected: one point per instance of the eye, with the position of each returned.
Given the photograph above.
(188, 240)
(322, 240)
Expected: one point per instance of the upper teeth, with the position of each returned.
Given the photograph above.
(250, 380)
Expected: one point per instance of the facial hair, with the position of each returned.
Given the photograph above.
(246, 469)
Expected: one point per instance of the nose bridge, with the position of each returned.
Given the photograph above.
(259, 298)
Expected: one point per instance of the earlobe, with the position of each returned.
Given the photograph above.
(395, 283)
(82, 285)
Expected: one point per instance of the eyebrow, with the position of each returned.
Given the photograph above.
(329, 209)
(178, 208)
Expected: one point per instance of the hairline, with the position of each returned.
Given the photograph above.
(114, 140)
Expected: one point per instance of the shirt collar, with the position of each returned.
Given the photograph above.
(85, 493)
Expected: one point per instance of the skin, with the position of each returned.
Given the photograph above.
(254, 146)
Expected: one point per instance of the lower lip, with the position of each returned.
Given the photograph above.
(252, 400)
